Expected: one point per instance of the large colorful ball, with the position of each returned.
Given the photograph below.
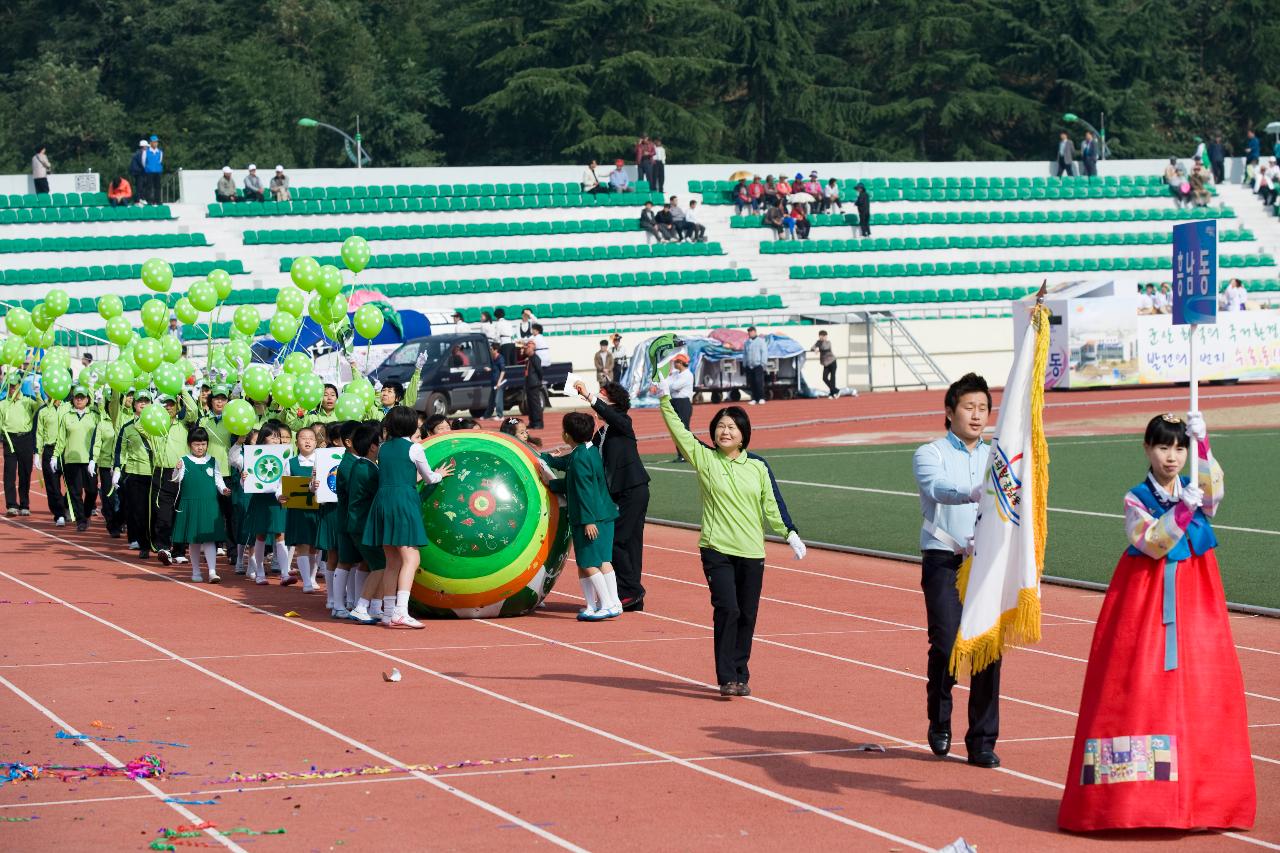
(355, 253)
(307, 388)
(330, 283)
(247, 319)
(368, 321)
(497, 537)
(110, 306)
(240, 416)
(155, 420)
(305, 272)
(297, 364)
(18, 321)
(203, 295)
(157, 275)
(57, 301)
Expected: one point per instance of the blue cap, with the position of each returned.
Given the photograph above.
(154, 138)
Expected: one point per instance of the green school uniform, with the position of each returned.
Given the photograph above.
(364, 487)
(198, 518)
(220, 441)
(343, 543)
(17, 413)
(395, 515)
(589, 503)
(301, 526)
(327, 520)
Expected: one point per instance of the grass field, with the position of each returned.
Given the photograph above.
(865, 497)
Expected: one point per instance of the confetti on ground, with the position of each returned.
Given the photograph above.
(292, 614)
(191, 802)
(98, 724)
(171, 839)
(371, 770)
(146, 767)
(117, 739)
(18, 819)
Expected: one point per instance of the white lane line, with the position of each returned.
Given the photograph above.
(304, 718)
(146, 784)
(732, 780)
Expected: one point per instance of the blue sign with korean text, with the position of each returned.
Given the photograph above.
(1195, 273)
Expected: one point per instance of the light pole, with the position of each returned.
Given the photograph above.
(1071, 118)
(361, 153)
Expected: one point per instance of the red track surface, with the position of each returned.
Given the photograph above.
(654, 759)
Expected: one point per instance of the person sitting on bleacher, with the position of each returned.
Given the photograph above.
(756, 191)
(666, 225)
(253, 185)
(800, 221)
(1177, 179)
(1199, 181)
(590, 181)
(648, 221)
(226, 189)
(618, 182)
(742, 198)
(831, 196)
(678, 219)
(119, 192)
(773, 218)
(695, 230)
(770, 196)
(280, 185)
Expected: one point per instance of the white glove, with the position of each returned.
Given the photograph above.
(377, 386)
(968, 547)
(93, 469)
(664, 388)
(53, 464)
(421, 360)
(1195, 426)
(115, 479)
(975, 494)
(1192, 497)
(797, 545)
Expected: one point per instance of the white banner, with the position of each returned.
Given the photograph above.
(326, 474)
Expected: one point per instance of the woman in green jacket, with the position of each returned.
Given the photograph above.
(73, 454)
(17, 421)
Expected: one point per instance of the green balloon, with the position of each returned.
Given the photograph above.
(171, 348)
(355, 253)
(257, 383)
(337, 307)
(239, 416)
(221, 281)
(157, 275)
(350, 407)
(305, 272)
(119, 376)
(168, 379)
(155, 420)
(308, 389)
(110, 306)
(56, 384)
(55, 358)
(47, 338)
(297, 364)
(283, 390)
(119, 331)
(57, 302)
(186, 367)
(330, 283)
(186, 311)
(238, 353)
(148, 354)
(361, 388)
(284, 326)
(203, 295)
(41, 317)
(247, 319)
(318, 309)
(154, 315)
(368, 321)
(13, 351)
(18, 321)
(33, 337)
(236, 335)
(292, 300)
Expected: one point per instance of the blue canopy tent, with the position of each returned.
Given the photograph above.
(312, 340)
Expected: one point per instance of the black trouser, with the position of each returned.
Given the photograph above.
(136, 503)
(533, 402)
(164, 494)
(802, 229)
(42, 185)
(82, 492)
(1065, 168)
(684, 411)
(628, 540)
(1219, 171)
(644, 172)
(755, 382)
(829, 377)
(52, 484)
(1091, 168)
(152, 188)
(111, 515)
(942, 606)
(659, 179)
(19, 458)
(735, 584)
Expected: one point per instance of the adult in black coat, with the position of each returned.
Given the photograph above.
(628, 483)
(863, 205)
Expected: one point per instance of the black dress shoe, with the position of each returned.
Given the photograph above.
(743, 689)
(986, 759)
(939, 742)
(729, 689)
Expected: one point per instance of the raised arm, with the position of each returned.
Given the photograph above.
(619, 423)
(689, 446)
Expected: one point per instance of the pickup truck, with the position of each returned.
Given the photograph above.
(458, 375)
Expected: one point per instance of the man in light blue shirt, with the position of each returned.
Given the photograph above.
(755, 355)
(950, 473)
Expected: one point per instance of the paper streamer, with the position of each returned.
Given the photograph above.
(171, 839)
(374, 770)
(117, 739)
(191, 802)
(148, 766)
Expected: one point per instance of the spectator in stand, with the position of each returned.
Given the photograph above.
(1235, 297)
(756, 191)
(620, 358)
(590, 181)
(154, 163)
(649, 222)
(119, 192)
(741, 198)
(831, 196)
(813, 187)
(524, 331)
(1218, 160)
(1089, 155)
(253, 189)
(1177, 179)
(1147, 299)
(603, 364)
(827, 359)
(1266, 181)
(1199, 180)
(696, 231)
(40, 170)
(755, 357)
(1166, 299)
(863, 205)
(658, 181)
(798, 186)
(618, 182)
(1066, 154)
(800, 221)
(280, 186)
(644, 158)
(138, 170)
(665, 224)
(783, 189)
(770, 197)
(678, 219)
(225, 191)
(1252, 152)
(773, 218)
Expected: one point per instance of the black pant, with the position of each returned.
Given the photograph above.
(82, 491)
(533, 402)
(1219, 171)
(942, 606)
(684, 411)
(164, 494)
(151, 187)
(659, 179)
(136, 503)
(111, 515)
(628, 540)
(755, 382)
(1065, 168)
(42, 185)
(829, 377)
(52, 484)
(1091, 168)
(19, 458)
(735, 584)
(644, 172)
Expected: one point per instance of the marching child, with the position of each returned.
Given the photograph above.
(198, 521)
(264, 517)
(591, 515)
(326, 521)
(1163, 706)
(346, 557)
(395, 516)
(301, 526)
(366, 443)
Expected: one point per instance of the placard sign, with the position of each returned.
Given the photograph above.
(1195, 273)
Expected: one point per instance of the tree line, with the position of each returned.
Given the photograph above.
(554, 81)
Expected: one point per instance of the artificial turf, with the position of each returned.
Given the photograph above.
(1086, 474)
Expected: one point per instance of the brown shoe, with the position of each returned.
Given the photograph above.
(727, 690)
(743, 689)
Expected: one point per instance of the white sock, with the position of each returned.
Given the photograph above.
(602, 591)
(210, 551)
(258, 565)
(328, 584)
(375, 607)
(313, 568)
(611, 582)
(282, 558)
(338, 589)
(355, 584)
(195, 562)
(362, 607)
(589, 593)
(388, 605)
(402, 603)
(304, 570)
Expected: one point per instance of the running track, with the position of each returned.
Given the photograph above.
(653, 758)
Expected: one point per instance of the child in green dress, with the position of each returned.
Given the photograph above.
(264, 517)
(301, 526)
(346, 559)
(366, 441)
(198, 520)
(591, 514)
(395, 516)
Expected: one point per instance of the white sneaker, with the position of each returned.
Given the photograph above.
(751, 402)
(612, 612)
(197, 579)
(181, 560)
(213, 578)
(133, 546)
(61, 522)
(762, 402)
(404, 621)
(222, 552)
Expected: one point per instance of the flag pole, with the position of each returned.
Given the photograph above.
(1195, 402)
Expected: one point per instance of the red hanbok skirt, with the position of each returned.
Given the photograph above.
(1156, 748)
